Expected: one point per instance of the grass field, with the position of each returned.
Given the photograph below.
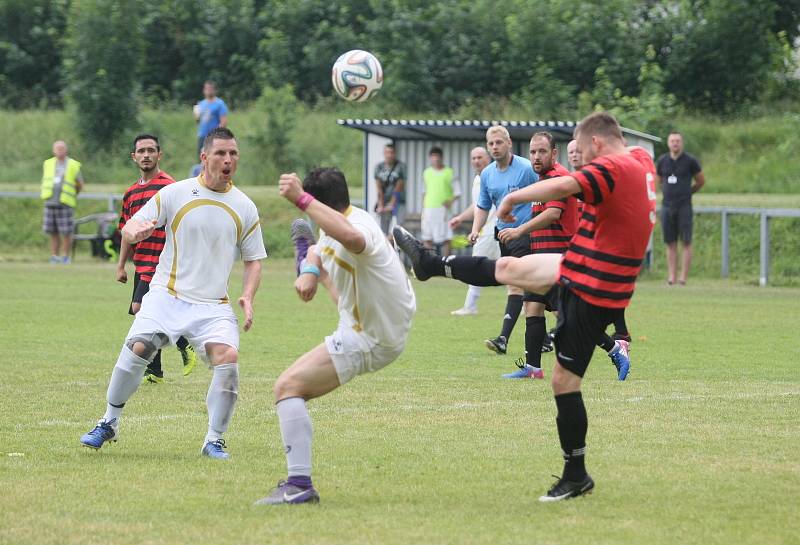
(698, 446)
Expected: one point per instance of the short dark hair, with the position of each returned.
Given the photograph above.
(210, 82)
(328, 186)
(390, 145)
(436, 150)
(600, 124)
(220, 133)
(547, 136)
(679, 133)
(146, 137)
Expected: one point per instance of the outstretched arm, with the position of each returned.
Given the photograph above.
(329, 220)
(547, 190)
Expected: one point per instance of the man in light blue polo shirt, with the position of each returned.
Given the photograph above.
(210, 113)
(507, 173)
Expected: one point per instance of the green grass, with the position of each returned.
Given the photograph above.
(698, 446)
(754, 155)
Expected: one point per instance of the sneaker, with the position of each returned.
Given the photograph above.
(153, 379)
(497, 345)
(55, 260)
(214, 450)
(413, 249)
(564, 489)
(189, 360)
(303, 239)
(102, 432)
(464, 312)
(619, 357)
(66, 260)
(289, 493)
(525, 371)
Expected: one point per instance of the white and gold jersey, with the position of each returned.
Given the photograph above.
(375, 295)
(206, 232)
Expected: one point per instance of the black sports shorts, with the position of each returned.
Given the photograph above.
(140, 288)
(549, 299)
(579, 329)
(518, 247)
(676, 222)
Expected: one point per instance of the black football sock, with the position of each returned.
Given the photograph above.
(513, 308)
(572, 423)
(606, 343)
(535, 332)
(621, 328)
(182, 343)
(154, 368)
(475, 271)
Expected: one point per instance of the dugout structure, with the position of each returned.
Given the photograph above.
(413, 139)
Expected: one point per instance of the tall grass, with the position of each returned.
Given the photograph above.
(738, 156)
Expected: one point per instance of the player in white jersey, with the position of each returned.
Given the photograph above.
(486, 245)
(376, 304)
(209, 224)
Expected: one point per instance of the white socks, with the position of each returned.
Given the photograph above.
(221, 399)
(125, 379)
(471, 302)
(296, 431)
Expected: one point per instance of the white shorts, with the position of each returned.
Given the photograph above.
(434, 225)
(200, 324)
(486, 245)
(353, 353)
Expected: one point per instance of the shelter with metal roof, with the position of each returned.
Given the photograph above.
(414, 137)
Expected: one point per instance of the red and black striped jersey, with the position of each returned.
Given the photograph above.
(146, 252)
(606, 253)
(554, 239)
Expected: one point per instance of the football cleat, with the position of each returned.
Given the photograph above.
(214, 450)
(413, 249)
(498, 345)
(303, 239)
(525, 371)
(189, 358)
(620, 359)
(286, 493)
(564, 489)
(464, 312)
(104, 431)
(152, 379)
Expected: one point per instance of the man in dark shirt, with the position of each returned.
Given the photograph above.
(675, 171)
(390, 178)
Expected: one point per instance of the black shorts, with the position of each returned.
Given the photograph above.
(676, 222)
(580, 327)
(549, 299)
(519, 247)
(140, 288)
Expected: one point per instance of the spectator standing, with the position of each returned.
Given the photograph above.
(437, 196)
(61, 182)
(390, 179)
(680, 176)
(210, 113)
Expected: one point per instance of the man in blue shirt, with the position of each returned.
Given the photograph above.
(210, 113)
(507, 173)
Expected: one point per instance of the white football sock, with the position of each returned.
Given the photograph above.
(471, 302)
(221, 399)
(296, 431)
(125, 379)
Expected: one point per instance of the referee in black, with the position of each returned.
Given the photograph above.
(679, 175)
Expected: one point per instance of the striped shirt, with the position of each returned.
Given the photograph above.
(146, 252)
(554, 239)
(606, 253)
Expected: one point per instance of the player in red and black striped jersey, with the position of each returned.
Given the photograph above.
(147, 154)
(596, 275)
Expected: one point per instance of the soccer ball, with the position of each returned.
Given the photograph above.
(357, 75)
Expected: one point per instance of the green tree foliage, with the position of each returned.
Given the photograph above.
(448, 55)
(104, 51)
(279, 109)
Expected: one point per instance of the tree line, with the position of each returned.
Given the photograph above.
(643, 58)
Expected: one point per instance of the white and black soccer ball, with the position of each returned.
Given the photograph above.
(357, 75)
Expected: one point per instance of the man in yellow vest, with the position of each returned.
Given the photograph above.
(61, 183)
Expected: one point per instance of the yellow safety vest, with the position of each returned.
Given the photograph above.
(69, 189)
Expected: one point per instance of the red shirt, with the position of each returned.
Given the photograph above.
(606, 253)
(146, 252)
(554, 239)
